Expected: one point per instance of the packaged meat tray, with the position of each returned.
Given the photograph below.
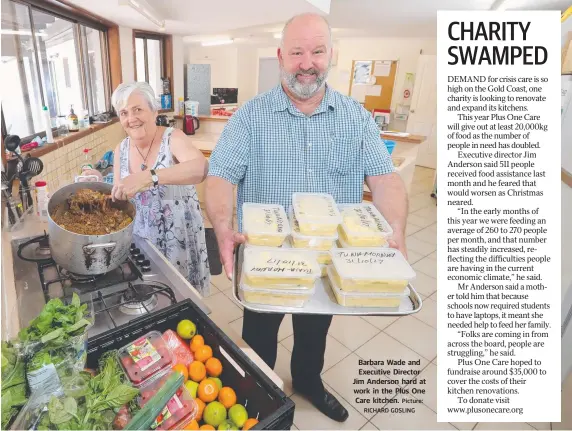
(145, 358)
(180, 409)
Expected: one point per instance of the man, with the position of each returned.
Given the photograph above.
(301, 136)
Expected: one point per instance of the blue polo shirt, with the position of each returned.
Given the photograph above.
(271, 150)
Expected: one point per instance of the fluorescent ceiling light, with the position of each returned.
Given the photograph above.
(146, 10)
(277, 35)
(24, 32)
(217, 42)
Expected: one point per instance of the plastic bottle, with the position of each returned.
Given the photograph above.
(42, 199)
(73, 121)
(48, 124)
(181, 107)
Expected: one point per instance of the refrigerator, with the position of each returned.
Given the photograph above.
(198, 86)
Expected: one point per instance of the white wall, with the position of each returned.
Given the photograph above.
(223, 60)
(127, 54)
(247, 73)
(178, 70)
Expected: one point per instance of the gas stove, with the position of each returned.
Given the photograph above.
(145, 282)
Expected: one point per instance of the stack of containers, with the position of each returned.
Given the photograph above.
(370, 277)
(363, 226)
(314, 220)
(278, 276)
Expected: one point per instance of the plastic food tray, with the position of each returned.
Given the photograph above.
(265, 225)
(324, 301)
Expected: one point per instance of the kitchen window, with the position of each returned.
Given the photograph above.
(151, 59)
(50, 59)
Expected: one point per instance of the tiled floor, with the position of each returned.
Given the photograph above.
(353, 338)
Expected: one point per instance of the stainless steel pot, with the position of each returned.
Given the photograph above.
(88, 254)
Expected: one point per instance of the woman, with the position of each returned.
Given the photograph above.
(168, 210)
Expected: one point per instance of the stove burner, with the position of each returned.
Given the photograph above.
(78, 278)
(40, 253)
(139, 299)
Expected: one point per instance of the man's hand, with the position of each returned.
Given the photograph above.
(398, 242)
(129, 186)
(227, 240)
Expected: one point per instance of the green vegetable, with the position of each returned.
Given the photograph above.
(147, 415)
(13, 384)
(57, 322)
(90, 402)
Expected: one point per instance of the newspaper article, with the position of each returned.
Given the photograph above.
(286, 214)
(499, 252)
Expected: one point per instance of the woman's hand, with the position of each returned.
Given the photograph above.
(129, 186)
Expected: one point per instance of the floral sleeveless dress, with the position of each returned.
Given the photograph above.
(170, 217)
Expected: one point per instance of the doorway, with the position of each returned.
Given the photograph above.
(423, 111)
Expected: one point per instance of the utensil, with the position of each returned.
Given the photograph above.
(32, 167)
(7, 198)
(88, 254)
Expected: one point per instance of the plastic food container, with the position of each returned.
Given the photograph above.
(361, 299)
(268, 267)
(317, 214)
(363, 226)
(265, 225)
(379, 270)
(180, 409)
(179, 349)
(314, 242)
(281, 297)
(145, 358)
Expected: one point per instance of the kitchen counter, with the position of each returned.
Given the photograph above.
(33, 226)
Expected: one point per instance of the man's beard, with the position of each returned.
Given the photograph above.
(304, 90)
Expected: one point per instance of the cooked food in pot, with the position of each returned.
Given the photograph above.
(89, 212)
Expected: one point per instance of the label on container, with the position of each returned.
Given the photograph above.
(172, 406)
(44, 380)
(357, 219)
(316, 206)
(143, 353)
(274, 263)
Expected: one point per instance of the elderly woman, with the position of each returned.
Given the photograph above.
(157, 167)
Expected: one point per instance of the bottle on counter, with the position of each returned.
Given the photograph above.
(42, 199)
(48, 125)
(73, 121)
(181, 106)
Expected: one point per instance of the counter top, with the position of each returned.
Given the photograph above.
(206, 117)
(411, 139)
(33, 226)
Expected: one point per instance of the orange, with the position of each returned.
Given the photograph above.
(192, 425)
(227, 397)
(196, 342)
(214, 367)
(208, 390)
(203, 353)
(201, 405)
(181, 368)
(207, 427)
(249, 424)
(197, 371)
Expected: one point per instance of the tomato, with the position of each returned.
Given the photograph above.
(168, 424)
(127, 361)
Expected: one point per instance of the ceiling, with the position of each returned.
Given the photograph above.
(255, 21)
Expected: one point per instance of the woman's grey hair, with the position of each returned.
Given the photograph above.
(301, 15)
(123, 91)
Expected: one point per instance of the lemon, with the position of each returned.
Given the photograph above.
(227, 426)
(238, 415)
(192, 387)
(186, 329)
(214, 414)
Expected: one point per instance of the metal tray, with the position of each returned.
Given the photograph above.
(323, 301)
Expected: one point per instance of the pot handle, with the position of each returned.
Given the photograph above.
(91, 247)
